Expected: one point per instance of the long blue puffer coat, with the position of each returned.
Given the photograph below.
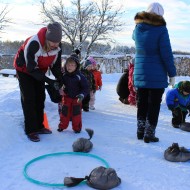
(154, 59)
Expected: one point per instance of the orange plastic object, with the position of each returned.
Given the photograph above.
(46, 124)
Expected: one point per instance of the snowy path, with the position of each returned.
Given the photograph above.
(139, 165)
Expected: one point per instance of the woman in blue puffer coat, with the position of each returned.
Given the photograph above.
(154, 63)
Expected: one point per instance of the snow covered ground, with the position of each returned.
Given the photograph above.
(140, 166)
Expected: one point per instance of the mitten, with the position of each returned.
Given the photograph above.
(171, 107)
(52, 83)
(61, 84)
(100, 88)
(176, 111)
(80, 98)
(171, 81)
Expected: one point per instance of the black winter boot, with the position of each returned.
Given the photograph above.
(140, 129)
(149, 135)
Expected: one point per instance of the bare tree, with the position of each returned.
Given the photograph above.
(4, 20)
(91, 22)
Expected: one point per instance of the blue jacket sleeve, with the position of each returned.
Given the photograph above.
(171, 100)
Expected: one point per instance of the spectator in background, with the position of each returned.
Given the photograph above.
(98, 82)
(34, 57)
(122, 87)
(153, 64)
(132, 90)
(86, 71)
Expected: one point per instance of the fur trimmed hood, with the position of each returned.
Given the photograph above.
(149, 18)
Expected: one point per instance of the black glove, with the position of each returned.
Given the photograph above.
(80, 98)
(171, 107)
(53, 83)
(176, 111)
(61, 83)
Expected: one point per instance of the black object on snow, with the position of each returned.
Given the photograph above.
(175, 153)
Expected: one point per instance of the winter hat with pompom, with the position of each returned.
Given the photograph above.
(87, 63)
(92, 60)
(155, 8)
(73, 57)
(54, 32)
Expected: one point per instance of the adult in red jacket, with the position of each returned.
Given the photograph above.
(34, 57)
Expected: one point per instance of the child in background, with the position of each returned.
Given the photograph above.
(178, 101)
(86, 71)
(98, 68)
(98, 82)
(75, 90)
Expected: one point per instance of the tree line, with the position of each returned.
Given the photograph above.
(87, 26)
(84, 24)
(10, 48)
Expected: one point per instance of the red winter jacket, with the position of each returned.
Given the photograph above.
(33, 60)
(132, 92)
(98, 78)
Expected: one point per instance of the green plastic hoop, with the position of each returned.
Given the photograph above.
(58, 154)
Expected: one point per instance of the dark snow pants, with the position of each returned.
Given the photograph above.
(148, 104)
(85, 102)
(71, 110)
(32, 99)
(178, 116)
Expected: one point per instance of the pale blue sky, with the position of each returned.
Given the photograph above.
(25, 15)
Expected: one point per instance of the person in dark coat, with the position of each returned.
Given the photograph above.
(86, 70)
(154, 63)
(178, 101)
(75, 90)
(122, 87)
(34, 57)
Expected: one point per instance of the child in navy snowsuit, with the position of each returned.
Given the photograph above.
(76, 89)
(178, 101)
